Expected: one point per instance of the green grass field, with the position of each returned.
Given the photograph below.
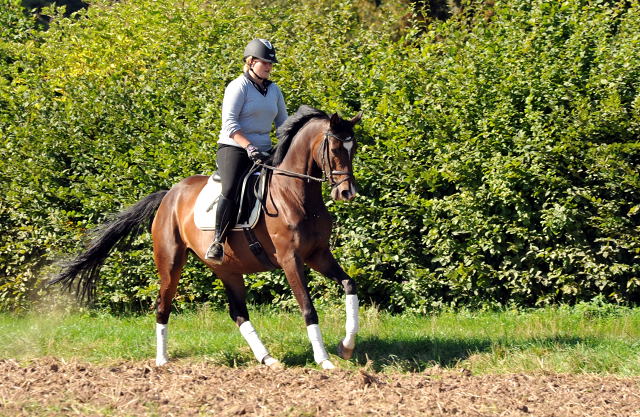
(584, 339)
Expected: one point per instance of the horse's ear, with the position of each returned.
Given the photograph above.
(356, 119)
(334, 121)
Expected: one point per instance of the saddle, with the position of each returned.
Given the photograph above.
(254, 187)
(254, 190)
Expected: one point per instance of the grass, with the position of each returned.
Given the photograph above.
(583, 339)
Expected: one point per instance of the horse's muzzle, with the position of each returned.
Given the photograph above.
(344, 192)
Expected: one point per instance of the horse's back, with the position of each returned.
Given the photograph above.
(184, 191)
(177, 206)
(193, 181)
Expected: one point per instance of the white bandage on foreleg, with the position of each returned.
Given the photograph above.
(352, 322)
(251, 336)
(162, 331)
(315, 337)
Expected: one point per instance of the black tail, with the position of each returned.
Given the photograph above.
(119, 231)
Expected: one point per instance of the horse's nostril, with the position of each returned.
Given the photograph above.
(346, 194)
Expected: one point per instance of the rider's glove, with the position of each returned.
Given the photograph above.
(255, 155)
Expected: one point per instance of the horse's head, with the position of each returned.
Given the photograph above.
(336, 156)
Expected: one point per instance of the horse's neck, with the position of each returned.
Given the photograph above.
(299, 157)
(300, 195)
(300, 162)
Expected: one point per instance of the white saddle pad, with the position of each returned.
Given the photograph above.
(204, 211)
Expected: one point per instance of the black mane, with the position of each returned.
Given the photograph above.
(287, 131)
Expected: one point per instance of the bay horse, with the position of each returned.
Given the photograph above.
(294, 228)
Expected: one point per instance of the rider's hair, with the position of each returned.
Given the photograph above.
(247, 64)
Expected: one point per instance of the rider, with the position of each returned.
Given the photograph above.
(251, 105)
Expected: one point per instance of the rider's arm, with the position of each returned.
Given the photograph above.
(234, 97)
(240, 138)
(282, 109)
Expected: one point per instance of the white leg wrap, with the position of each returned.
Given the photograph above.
(352, 323)
(319, 352)
(162, 332)
(252, 338)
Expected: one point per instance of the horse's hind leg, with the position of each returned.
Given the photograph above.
(237, 296)
(170, 256)
(324, 262)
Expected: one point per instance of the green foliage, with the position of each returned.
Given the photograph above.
(505, 161)
(497, 163)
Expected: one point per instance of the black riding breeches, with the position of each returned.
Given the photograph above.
(233, 163)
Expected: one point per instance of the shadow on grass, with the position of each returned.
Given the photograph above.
(231, 358)
(415, 355)
(407, 355)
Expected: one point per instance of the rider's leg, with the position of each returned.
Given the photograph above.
(225, 214)
(233, 163)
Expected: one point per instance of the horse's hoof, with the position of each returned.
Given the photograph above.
(161, 361)
(276, 366)
(327, 364)
(273, 363)
(344, 352)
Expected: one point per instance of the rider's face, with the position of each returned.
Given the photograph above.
(262, 68)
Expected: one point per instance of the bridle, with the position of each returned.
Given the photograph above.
(326, 161)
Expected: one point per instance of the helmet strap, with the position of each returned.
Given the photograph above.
(254, 73)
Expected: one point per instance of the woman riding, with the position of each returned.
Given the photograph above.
(251, 105)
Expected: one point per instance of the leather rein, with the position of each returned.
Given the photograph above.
(326, 160)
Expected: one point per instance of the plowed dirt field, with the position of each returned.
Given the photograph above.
(48, 387)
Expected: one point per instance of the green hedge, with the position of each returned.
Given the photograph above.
(498, 156)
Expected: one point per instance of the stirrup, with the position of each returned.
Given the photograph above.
(215, 252)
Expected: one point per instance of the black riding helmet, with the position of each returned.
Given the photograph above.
(261, 49)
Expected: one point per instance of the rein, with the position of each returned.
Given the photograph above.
(291, 173)
(325, 161)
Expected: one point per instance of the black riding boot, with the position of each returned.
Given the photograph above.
(225, 214)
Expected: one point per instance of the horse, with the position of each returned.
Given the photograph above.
(294, 229)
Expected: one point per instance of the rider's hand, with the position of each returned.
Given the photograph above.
(256, 155)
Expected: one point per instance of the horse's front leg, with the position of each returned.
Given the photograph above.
(294, 270)
(324, 262)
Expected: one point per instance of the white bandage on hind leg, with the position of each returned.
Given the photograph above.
(251, 336)
(352, 322)
(315, 337)
(162, 332)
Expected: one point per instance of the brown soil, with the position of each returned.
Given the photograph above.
(47, 387)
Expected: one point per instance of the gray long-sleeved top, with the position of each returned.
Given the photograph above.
(247, 109)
